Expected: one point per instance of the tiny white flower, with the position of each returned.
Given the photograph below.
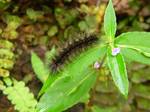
(115, 51)
(96, 65)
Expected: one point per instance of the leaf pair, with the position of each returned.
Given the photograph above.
(116, 63)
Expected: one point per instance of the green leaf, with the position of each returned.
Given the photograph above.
(139, 41)
(38, 66)
(117, 67)
(64, 92)
(47, 83)
(133, 55)
(62, 96)
(110, 23)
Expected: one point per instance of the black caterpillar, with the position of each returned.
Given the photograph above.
(72, 47)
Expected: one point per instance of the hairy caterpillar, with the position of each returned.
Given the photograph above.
(72, 47)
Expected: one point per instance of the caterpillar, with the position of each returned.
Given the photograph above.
(72, 47)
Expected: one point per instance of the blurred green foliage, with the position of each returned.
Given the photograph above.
(52, 31)
(6, 57)
(34, 15)
(4, 4)
(65, 17)
(13, 22)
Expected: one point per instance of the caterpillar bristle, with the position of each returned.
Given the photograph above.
(71, 48)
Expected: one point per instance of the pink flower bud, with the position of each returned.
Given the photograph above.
(96, 65)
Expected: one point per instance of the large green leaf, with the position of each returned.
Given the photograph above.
(110, 23)
(62, 96)
(65, 91)
(39, 68)
(139, 41)
(118, 71)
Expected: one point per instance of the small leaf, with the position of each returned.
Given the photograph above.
(83, 26)
(8, 81)
(39, 68)
(4, 73)
(117, 67)
(49, 55)
(52, 31)
(110, 21)
(2, 86)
